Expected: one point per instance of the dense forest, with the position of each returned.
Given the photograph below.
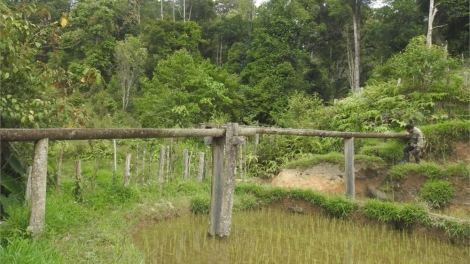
(116, 63)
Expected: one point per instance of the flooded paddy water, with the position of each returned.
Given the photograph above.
(271, 235)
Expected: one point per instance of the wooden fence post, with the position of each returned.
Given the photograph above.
(143, 165)
(161, 164)
(201, 168)
(115, 162)
(78, 176)
(127, 170)
(223, 181)
(28, 185)
(185, 164)
(59, 171)
(349, 166)
(38, 188)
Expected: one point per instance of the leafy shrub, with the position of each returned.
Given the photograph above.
(245, 202)
(200, 204)
(110, 197)
(429, 170)
(16, 221)
(441, 137)
(412, 213)
(460, 170)
(437, 193)
(383, 211)
(308, 195)
(339, 206)
(391, 152)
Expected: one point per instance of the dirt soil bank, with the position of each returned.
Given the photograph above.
(329, 178)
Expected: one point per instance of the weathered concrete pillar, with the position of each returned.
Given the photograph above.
(223, 181)
(349, 166)
(38, 188)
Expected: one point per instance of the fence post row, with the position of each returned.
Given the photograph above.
(224, 155)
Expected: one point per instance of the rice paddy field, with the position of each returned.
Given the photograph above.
(270, 235)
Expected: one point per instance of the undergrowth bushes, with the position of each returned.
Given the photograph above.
(437, 193)
(429, 170)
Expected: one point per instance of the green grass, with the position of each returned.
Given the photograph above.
(429, 170)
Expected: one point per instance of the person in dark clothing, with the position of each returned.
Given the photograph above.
(415, 145)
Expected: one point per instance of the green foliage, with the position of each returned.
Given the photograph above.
(429, 170)
(20, 250)
(339, 206)
(437, 193)
(442, 137)
(266, 195)
(455, 229)
(457, 170)
(184, 188)
(200, 204)
(183, 92)
(63, 212)
(308, 195)
(332, 157)
(391, 212)
(16, 220)
(300, 112)
(27, 92)
(413, 213)
(382, 211)
(391, 151)
(110, 197)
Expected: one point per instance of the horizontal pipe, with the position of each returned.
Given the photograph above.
(8, 134)
(12, 134)
(318, 133)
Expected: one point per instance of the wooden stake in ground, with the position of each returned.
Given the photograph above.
(161, 164)
(28, 185)
(200, 174)
(115, 162)
(127, 170)
(59, 171)
(38, 188)
(185, 164)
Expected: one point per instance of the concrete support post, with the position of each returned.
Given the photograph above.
(38, 188)
(223, 182)
(349, 166)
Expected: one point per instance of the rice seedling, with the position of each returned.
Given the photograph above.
(271, 235)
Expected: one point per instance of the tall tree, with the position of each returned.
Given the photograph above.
(183, 93)
(130, 60)
(432, 14)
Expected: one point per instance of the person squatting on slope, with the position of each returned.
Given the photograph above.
(415, 145)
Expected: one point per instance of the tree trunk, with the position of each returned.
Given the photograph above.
(432, 14)
(357, 44)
